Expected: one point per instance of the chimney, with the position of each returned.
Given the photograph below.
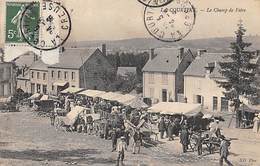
(152, 54)
(62, 49)
(200, 52)
(104, 49)
(181, 54)
(257, 52)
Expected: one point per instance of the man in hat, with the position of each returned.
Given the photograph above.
(162, 127)
(114, 139)
(121, 148)
(223, 151)
(137, 141)
(184, 138)
(256, 121)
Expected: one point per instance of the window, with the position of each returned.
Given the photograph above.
(198, 99)
(52, 74)
(32, 88)
(52, 87)
(59, 72)
(165, 78)
(215, 103)
(73, 75)
(224, 104)
(38, 75)
(32, 74)
(151, 92)
(65, 75)
(2, 74)
(44, 76)
(151, 78)
(38, 88)
(44, 89)
(164, 95)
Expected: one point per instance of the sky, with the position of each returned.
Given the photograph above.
(123, 19)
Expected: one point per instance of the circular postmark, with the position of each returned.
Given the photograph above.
(172, 22)
(155, 3)
(45, 26)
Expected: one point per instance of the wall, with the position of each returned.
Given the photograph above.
(39, 80)
(94, 71)
(158, 86)
(7, 80)
(72, 82)
(205, 87)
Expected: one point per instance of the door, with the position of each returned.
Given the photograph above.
(164, 95)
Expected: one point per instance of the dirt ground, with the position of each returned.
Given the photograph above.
(29, 140)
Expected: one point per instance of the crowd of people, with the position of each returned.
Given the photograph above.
(121, 125)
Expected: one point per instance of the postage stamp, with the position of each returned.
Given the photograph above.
(172, 22)
(14, 12)
(50, 30)
(155, 3)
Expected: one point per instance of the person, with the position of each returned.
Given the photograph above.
(162, 127)
(114, 139)
(121, 148)
(256, 121)
(170, 129)
(53, 116)
(199, 143)
(137, 141)
(167, 122)
(223, 151)
(184, 138)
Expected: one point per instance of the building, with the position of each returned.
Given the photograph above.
(163, 73)
(23, 64)
(80, 67)
(38, 75)
(7, 77)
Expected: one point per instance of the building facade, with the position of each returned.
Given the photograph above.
(163, 73)
(200, 84)
(7, 78)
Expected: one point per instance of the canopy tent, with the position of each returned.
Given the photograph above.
(49, 97)
(125, 98)
(6, 100)
(172, 108)
(72, 116)
(137, 103)
(60, 83)
(72, 90)
(250, 108)
(92, 93)
(35, 96)
(109, 96)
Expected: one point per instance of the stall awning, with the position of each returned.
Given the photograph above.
(92, 93)
(250, 108)
(72, 90)
(60, 83)
(44, 97)
(35, 96)
(124, 99)
(109, 96)
(137, 103)
(72, 116)
(172, 108)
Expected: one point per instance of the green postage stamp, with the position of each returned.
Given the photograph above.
(14, 12)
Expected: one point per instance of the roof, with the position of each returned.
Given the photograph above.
(72, 90)
(39, 65)
(197, 67)
(175, 108)
(26, 59)
(124, 70)
(92, 93)
(166, 60)
(74, 58)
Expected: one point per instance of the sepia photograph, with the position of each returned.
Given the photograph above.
(129, 83)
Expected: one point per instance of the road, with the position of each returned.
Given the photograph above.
(29, 140)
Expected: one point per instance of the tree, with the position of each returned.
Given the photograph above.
(238, 70)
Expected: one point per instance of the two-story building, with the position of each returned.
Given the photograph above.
(38, 75)
(163, 73)
(81, 68)
(7, 78)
